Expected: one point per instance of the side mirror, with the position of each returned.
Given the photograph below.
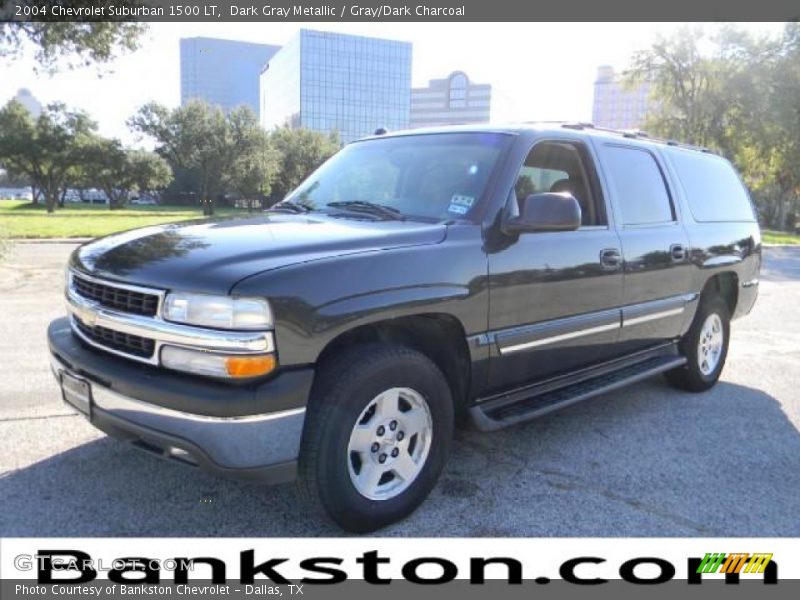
(546, 211)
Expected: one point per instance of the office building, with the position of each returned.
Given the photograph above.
(450, 101)
(335, 82)
(25, 97)
(615, 105)
(224, 73)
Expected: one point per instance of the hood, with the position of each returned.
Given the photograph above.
(212, 256)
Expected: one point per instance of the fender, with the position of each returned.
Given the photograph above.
(317, 301)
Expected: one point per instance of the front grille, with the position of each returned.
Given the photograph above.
(110, 296)
(116, 340)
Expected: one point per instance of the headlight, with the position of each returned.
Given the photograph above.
(222, 312)
(217, 365)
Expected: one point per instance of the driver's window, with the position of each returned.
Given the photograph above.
(561, 167)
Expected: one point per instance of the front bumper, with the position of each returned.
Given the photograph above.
(191, 419)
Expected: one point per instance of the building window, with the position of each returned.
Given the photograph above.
(458, 90)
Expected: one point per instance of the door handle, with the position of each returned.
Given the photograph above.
(677, 252)
(610, 258)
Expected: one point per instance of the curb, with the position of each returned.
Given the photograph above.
(50, 240)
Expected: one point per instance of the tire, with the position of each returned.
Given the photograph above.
(360, 405)
(704, 350)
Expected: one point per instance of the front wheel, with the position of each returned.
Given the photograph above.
(377, 435)
(705, 347)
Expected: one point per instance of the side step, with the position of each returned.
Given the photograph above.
(516, 408)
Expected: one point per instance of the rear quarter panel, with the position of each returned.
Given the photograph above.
(719, 247)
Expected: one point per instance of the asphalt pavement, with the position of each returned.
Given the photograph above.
(644, 461)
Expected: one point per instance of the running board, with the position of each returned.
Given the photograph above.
(512, 409)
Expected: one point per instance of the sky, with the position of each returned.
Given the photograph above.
(539, 71)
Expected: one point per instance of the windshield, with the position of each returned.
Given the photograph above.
(432, 176)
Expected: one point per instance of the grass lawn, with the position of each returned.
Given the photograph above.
(21, 219)
(779, 237)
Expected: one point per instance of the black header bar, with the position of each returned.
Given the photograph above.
(397, 10)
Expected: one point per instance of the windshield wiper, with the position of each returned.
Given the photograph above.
(289, 206)
(380, 210)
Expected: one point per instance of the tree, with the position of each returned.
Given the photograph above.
(149, 172)
(118, 171)
(737, 94)
(777, 141)
(215, 152)
(255, 161)
(17, 156)
(194, 137)
(299, 151)
(59, 44)
(44, 149)
(689, 87)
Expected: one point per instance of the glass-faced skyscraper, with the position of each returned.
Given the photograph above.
(335, 82)
(222, 72)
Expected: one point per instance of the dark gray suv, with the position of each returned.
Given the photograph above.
(489, 274)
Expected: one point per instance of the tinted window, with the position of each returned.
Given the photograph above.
(712, 187)
(561, 167)
(639, 186)
(438, 176)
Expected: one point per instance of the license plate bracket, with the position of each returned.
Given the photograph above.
(77, 392)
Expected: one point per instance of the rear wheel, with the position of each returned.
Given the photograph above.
(377, 435)
(705, 347)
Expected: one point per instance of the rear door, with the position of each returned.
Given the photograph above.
(655, 246)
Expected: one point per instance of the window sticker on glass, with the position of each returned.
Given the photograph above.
(460, 205)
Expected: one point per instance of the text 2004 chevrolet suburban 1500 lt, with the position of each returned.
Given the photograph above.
(413, 280)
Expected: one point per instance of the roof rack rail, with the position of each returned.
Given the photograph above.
(626, 133)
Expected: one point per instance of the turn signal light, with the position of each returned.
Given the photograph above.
(250, 366)
(228, 366)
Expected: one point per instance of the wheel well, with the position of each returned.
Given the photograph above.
(440, 337)
(727, 286)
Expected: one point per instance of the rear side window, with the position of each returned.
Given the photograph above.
(713, 190)
(638, 185)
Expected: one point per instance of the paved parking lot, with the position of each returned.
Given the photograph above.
(646, 461)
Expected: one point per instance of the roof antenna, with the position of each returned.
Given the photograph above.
(381, 131)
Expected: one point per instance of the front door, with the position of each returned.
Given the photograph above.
(555, 297)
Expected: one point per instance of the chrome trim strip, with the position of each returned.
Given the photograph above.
(558, 338)
(652, 316)
(112, 401)
(721, 261)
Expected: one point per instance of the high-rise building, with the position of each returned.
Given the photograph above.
(335, 82)
(617, 106)
(224, 73)
(451, 101)
(25, 97)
